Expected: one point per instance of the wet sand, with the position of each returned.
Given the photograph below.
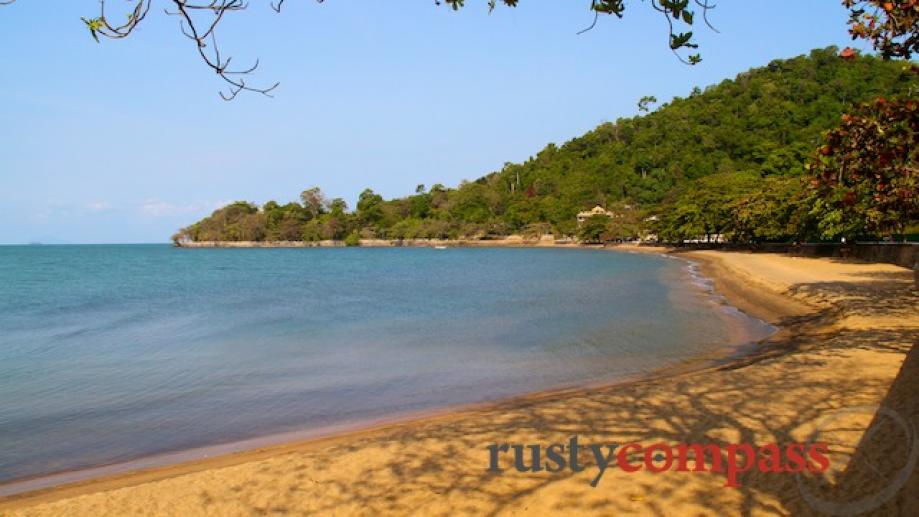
(847, 337)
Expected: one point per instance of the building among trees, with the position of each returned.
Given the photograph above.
(597, 210)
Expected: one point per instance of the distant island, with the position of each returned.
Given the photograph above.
(727, 163)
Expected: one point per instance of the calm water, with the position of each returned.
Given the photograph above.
(109, 353)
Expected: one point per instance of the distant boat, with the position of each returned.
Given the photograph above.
(440, 247)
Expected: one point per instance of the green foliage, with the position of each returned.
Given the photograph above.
(739, 207)
(353, 239)
(644, 104)
(369, 207)
(595, 229)
(705, 207)
(624, 225)
(728, 160)
(283, 223)
(627, 225)
(675, 12)
(314, 203)
(865, 173)
(778, 210)
(94, 25)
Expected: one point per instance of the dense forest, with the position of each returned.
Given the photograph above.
(730, 160)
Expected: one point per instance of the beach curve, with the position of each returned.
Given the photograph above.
(829, 314)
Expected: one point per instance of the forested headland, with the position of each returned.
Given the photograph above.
(762, 157)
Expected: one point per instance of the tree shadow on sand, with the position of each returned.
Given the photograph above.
(826, 377)
(779, 394)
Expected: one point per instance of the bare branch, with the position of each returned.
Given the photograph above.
(706, 7)
(204, 31)
(673, 12)
(210, 54)
(593, 24)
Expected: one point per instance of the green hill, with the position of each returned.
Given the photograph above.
(685, 161)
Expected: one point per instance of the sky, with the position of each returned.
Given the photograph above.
(126, 141)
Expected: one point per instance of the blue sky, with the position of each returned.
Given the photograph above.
(126, 141)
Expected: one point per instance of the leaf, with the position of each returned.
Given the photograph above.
(94, 25)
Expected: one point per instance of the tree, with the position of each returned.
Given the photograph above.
(199, 21)
(779, 210)
(338, 206)
(684, 162)
(353, 239)
(706, 207)
(369, 207)
(866, 172)
(420, 205)
(644, 104)
(625, 225)
(892, 27)
(314, 202)
(595, 229)
(252, 228)
(235, 222)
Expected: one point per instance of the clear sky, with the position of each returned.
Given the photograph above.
(126, 141)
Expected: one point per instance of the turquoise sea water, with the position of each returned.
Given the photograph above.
(110, 353)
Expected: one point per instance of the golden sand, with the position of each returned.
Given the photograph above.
(847, 342)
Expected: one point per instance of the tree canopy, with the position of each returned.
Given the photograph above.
(866, 171)
(729, 160)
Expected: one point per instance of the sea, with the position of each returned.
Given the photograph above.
(114, 353)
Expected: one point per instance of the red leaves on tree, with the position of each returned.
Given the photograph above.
(868, 165)
(892, 28)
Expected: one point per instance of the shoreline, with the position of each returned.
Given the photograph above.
(901, 254)
(738, 287)
(513, 241)
(232, 452)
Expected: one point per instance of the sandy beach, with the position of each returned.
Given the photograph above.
(845, 349)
